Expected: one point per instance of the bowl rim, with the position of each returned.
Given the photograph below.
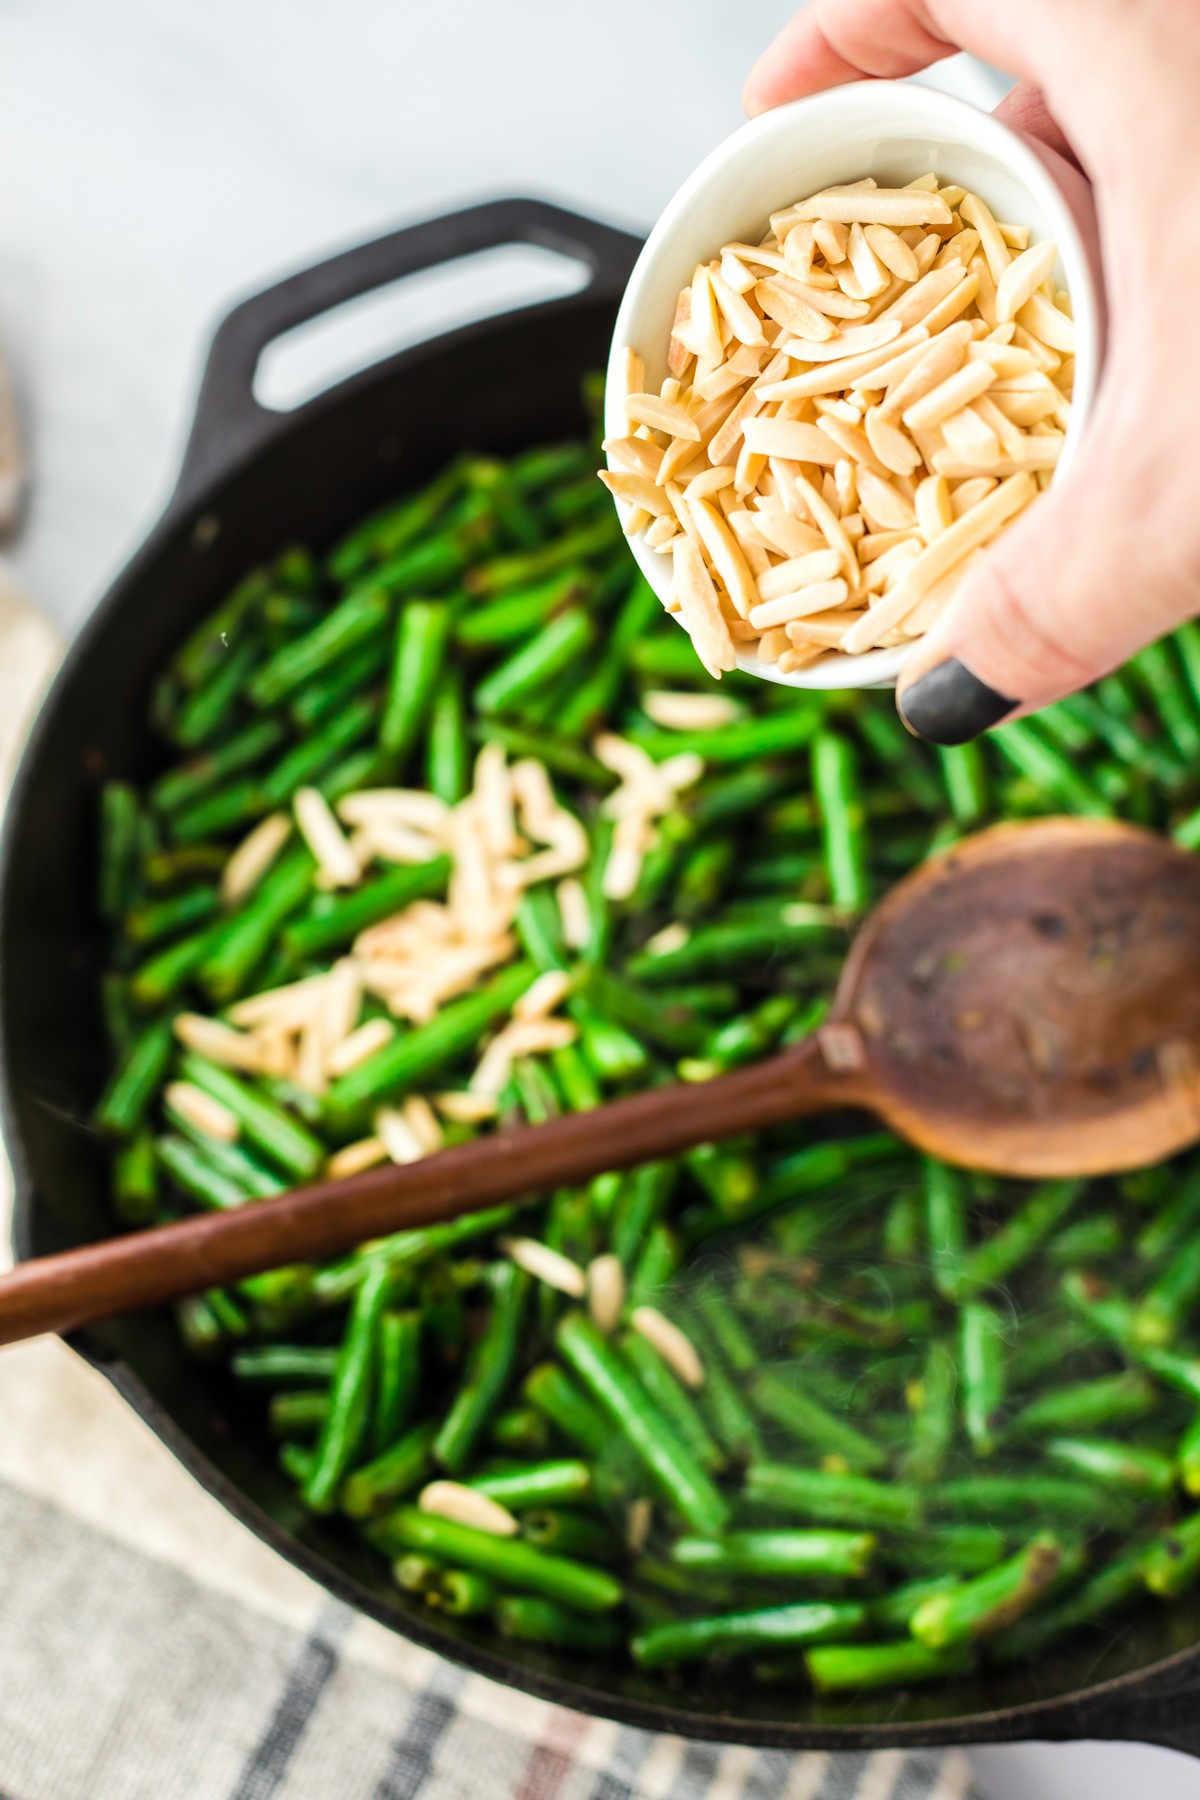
(854, 102)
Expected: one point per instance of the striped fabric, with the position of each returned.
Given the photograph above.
(152, 1649)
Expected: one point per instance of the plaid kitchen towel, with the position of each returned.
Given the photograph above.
(152, 1649)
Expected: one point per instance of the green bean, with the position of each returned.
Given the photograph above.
(509, 1561)
(996, 1599)
(1016, 1240)
(555, 649)
(1173, 1223)
(349, 1395)
(1170, 1301)
(464, 1594)
(1110, 1588)
(398, 1377)
(118, 847)
(965, 775)
(1021, 745)
(207, 710)
(553, 1393)
(837, 786)
(1159, 675)
(515, 615)
(805, 1418)
(1121, 738)
(334, 920)
(504, 572)
(1110, 1400)
(128, 1096)
(135, 1180)
(390, 1475)
(273, 1364)
(827, 1498)
(571, 1534)
(741, 1633)
(238, 947)
(722, 1401)
(826, 1553)
(894, 749)
(488, 1371)
(536, 1484)
(638, 1011)
(1172, 1562)
(521, 1431)
(667, 1393)
(163, 918)
(184, 786)
(839, 1668)
(313, 757)
(284, 1141)
(206, 648)
(1115, 1465)
(533, 1621)
(360, 616)
(945, 1223)
(387, 532)
(418, 1574)
(426, 1050)
(933, 1416)
(162, 976)
(1115, 1318)
(657, 1264)
(191, 1170)
(319, 701)
(559, 754)
(422, 632)
(993, 1497)
(902, 1229)
(599, 690)
(297, 1413)
(1188, 1458)
(676, 1473)
(233, 804)
(723, 949)
(1100, 1235)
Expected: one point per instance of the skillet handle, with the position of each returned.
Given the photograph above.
(230, 425)
(1167, 1715)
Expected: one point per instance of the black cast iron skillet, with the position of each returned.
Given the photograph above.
(253, 481)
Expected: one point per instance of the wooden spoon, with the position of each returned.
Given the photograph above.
(1028, 1003)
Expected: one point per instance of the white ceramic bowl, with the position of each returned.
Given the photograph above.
(893, 131)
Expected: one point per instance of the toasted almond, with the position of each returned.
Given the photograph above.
(700, 610)
(462, 1107)
(401, 1141)
(814, 597)
(325, 838)
(632, 456)
(606, 1291)
(219, 1043)
(364, 1153)
(546, 1265)
(360, 1045)
(789, 438)
(548, 991)
(292, 1005)
(253, 857)
(683, 711)
(574, 913)
(201, 1111)
(467, 1506)
(896, 207)
(661, 415)
(672, 1344)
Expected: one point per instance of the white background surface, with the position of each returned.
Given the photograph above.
(161, 158)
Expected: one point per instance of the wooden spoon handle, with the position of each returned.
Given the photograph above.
(145, 1268)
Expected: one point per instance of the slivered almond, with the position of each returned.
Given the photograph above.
(201, 1111)
(325, 838)
(364, 1153)
(1048, 324)
(896, 207)
(606, 1291)
(949, 396)
(891, 446)
(740, 316)
(815, 597)
(358, 1046)
(786, 577)
(219, 1043)
(662, 415)
(253, 857)
(467, 1506)
(672, 1344)
(462, 1107)
(574, 913)
(789, 438)
(792, 312)
(892, 251)
(547, 1265)
(548, 991)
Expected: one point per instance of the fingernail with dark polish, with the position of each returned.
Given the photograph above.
(949, 705)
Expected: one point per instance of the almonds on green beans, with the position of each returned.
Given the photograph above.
(853, 409)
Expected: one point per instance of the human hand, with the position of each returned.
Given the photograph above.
(1109, 558)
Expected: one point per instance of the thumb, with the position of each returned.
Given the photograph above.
(1068, 593)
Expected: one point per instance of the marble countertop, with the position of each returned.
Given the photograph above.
(162, 159)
